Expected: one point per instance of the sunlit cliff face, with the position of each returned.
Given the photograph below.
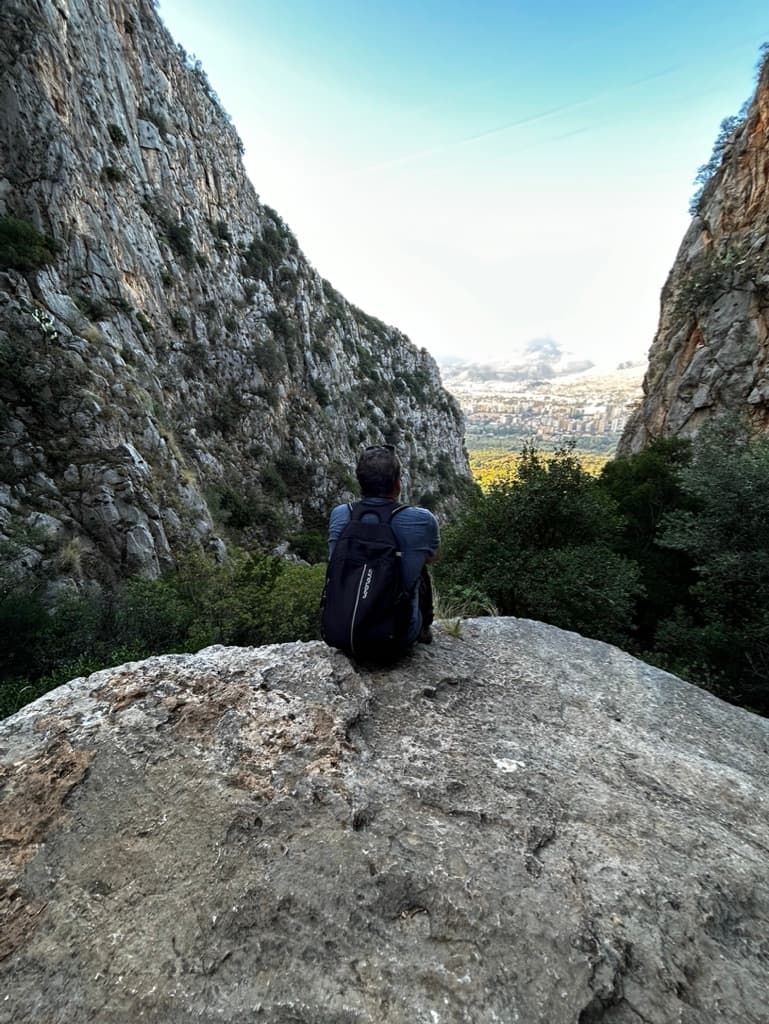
(711, 350)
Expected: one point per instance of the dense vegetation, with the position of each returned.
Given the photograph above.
(665, 553)
(491, 466)
(22, 246)
(251, 599)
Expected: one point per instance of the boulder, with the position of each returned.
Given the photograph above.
(515, 824)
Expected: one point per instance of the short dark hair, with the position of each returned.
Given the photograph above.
(378, 471)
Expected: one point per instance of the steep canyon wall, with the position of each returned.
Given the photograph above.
(169, 359)
(711, 351)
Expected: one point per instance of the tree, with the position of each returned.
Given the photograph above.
(540, 546)
(646, 487)
(724, 640)
(726, 131)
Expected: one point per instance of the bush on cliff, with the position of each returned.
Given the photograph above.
(22, 246)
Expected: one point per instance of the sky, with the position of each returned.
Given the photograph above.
(483, 174)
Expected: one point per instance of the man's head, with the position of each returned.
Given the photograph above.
(379, 472)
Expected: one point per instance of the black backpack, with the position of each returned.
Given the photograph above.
(365, 610)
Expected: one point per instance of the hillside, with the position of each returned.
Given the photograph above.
(172, 366)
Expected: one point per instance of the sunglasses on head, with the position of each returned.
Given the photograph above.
(380, 447)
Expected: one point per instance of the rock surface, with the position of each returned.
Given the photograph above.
(711, 351)
(178, 366)
(515, 824)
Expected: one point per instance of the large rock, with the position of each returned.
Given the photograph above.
(515, 824)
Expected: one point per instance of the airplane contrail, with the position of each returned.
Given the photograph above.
(533, 118)
(519, 122)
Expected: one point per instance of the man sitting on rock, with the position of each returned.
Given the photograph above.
(358, 588)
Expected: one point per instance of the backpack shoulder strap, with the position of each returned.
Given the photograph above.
(357, 509)
(384, 512)
(394, 512)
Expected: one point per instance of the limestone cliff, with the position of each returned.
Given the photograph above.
(514, 824)
(711, 350)
(168, 356)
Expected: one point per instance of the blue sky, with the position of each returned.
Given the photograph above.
(483, 174)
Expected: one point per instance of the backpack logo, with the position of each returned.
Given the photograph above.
(367, 584)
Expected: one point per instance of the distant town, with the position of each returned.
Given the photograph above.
(589, 408)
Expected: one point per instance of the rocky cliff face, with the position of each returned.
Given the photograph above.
(711, 351)
(515, 824)
(169, 358)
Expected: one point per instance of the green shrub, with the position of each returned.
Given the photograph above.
(177, 233)
(264, 254)
(221, 232)
(310, 545)
(111, 173)
(23, 247)
(646, 487)
(250, 599)
(117, 134)
(144, 321)
(293, 473)
(92, 306)
(725, 534)
(541, 547)
(272, 482)
(321, 392)
(179, 321)
(229, 507)
(281, 326)
(705, 282)
(270, 359)
(179, 237)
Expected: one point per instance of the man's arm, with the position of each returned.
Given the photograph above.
(435, 541)
(337, 522)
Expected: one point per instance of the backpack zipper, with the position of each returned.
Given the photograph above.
(355, 609)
